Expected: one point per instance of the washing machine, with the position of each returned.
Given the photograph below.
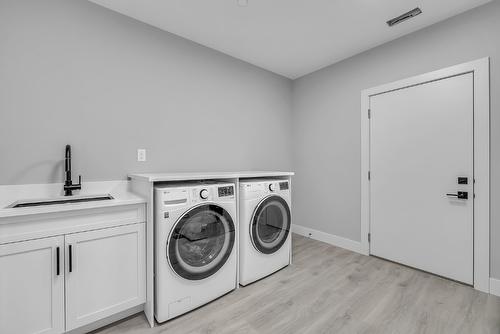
(265, 228)
(195, 246)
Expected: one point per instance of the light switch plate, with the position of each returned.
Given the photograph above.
(141, 154)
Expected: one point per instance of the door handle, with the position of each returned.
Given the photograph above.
(460, 195)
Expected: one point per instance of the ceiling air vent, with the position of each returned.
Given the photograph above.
(404, 17)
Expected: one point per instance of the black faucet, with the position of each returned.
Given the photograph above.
(68, 183)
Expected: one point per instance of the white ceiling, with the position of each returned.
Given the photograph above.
(288, 37)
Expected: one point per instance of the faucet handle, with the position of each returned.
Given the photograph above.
(79, 180)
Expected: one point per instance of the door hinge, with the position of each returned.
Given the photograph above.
(369, 237)
(369, 175)
(369, 113)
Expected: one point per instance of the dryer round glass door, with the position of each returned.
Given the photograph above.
(271, 223)
(201, 242)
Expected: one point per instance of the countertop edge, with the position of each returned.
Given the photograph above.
(63, 208)
(165, 177)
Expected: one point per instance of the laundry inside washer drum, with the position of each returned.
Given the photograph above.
(201, 242)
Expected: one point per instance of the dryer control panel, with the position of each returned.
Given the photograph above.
(278, 186)
(257, 188)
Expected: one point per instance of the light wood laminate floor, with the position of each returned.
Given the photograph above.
(331, 290)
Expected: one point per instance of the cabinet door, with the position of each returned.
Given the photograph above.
(105, 273)
(32, 286)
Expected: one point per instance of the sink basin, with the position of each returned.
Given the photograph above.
(59, 200)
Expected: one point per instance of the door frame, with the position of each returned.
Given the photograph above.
(480, 70)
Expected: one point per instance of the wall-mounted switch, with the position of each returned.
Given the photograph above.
(141, 154)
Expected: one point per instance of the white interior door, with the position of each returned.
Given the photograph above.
(421, 142)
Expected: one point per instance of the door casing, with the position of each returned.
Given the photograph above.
(480, 70)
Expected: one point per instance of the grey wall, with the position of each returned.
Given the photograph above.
(326, 118)
(73, 72)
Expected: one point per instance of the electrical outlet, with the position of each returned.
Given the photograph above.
(141, 154)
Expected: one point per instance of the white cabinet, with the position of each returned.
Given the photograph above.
(32, 286)
(56, 284)
(105, 273)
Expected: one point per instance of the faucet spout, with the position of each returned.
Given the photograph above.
(68, 183)
(67, 165)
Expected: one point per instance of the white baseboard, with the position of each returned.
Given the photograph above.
(495, 286)
(331, 239)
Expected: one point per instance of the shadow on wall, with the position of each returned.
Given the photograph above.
(56, 172)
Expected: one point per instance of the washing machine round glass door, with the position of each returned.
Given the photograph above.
(201, 242)
(270, 224)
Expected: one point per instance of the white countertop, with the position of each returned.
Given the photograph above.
(118, 189)
(164, 177)
(9, 194)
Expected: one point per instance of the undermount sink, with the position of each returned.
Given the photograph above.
(59, 200)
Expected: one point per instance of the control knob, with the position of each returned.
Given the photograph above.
(204, 194)
(272, 187)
